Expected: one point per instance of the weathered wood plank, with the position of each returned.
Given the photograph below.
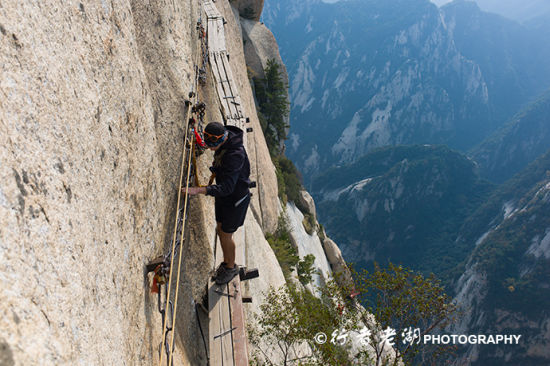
(220, 86)
(233, 85)
(216, 37)
(221, 40)
(213, 36)
(238, 320)
(220, 327)
(227, 326)
(229, 83)
(226, 83)
(221, 347)
(235, 101)
(211, 10)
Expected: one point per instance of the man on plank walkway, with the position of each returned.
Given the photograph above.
(231, 191)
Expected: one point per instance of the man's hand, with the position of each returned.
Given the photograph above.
(194, 190)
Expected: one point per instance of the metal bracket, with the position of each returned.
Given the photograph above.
(248, 274)
(222, 293)
(225, 333)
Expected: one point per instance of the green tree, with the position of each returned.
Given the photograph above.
(403, 300)
(394, 299)
(305, 269)
(272, 95)
(289, 320)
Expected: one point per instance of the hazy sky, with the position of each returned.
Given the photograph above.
(520, 10)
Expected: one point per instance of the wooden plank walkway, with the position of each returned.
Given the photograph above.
(227, 332)
(226, 87)
(227, 326)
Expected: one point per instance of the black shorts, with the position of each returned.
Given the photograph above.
(231, 215)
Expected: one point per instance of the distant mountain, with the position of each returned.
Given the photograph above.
(366, 74)
(520, 11)
(505, 286)
(514, 63)
(404, 204)
(371, 73)
(541, 25)
(518, 143)
(377, 87)
(424, 207)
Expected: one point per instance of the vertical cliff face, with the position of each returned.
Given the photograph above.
(92, 122)
(93, 117)
(92, 113)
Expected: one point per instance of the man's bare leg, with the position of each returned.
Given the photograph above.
(228, 246)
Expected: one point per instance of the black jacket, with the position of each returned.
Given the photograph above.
(232, 169)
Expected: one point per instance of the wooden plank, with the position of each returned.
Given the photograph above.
(211, 10)
(237, 111)
(224, 79)
(221, 35)
(228, 93)
(229, 83)
(220, 326)
(220, 86)
(238, 321)
(233, 85)
(212, 35)
(216, 35)
(221, 347)
(227, 326)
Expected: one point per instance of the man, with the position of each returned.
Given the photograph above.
(231, 191)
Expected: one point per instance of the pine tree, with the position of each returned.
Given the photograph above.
(272, 96)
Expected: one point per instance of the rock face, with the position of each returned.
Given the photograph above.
(307, 201)
(260, 255)
(505, 285)
(336, 260)
(89, 127)
(93, 116)
(249, 9)
(508, 54)
(519, 142)
(308, 244)
(259, 47)
(524, 12)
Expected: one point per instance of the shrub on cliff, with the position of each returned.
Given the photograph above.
(399, 307)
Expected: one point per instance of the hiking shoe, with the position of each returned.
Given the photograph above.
(225, 274)
(218, 270)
